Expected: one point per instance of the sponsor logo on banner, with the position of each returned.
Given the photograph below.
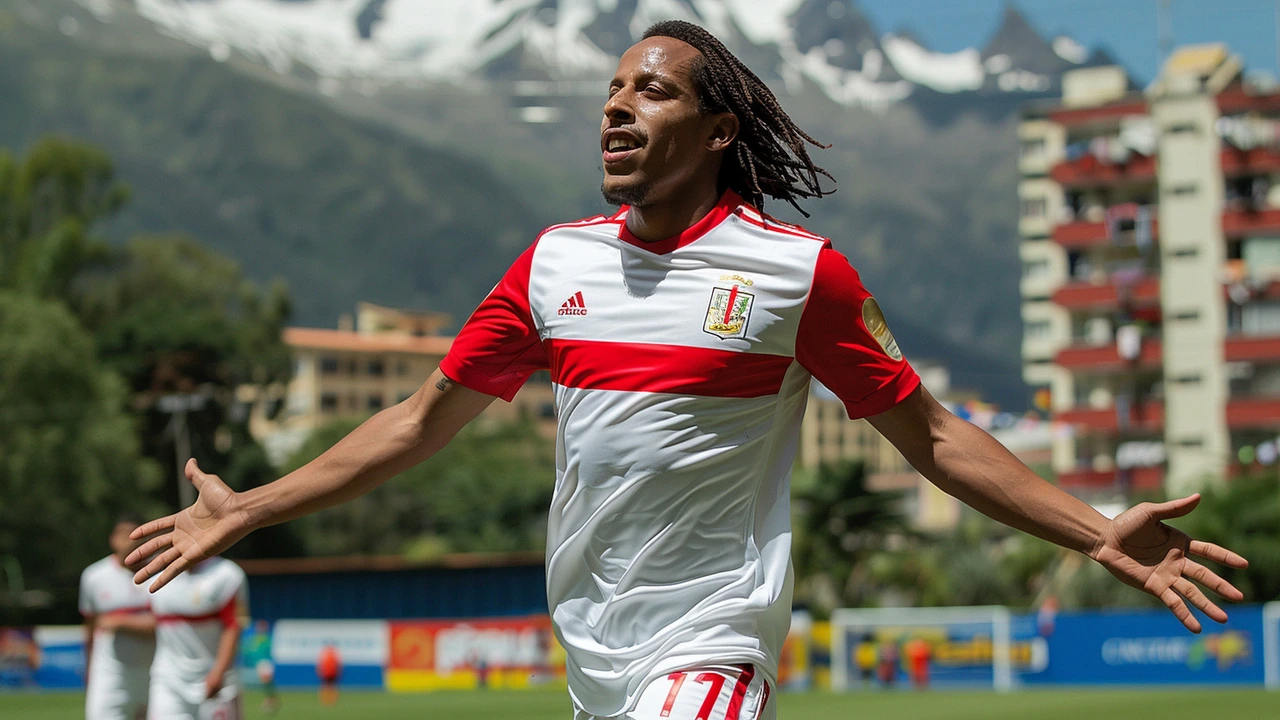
(359, 642)
(1221, 650)
(498, 653)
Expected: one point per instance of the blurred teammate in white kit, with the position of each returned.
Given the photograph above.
(119, 632)
(197, 639)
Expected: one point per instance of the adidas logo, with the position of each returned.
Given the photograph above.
(575, 305)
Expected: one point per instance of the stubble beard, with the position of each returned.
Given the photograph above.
(633, 195)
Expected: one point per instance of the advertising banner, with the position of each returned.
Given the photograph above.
(1150, 647)
(61, 661)
(362, 647)
(491, 653)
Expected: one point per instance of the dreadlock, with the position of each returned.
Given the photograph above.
(770, 157)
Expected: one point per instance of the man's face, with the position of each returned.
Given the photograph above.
(119, 538)
(653, 138)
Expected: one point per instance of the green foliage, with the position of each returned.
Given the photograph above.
(1243, 515)
(487, 491)
(840, 526)
(69, 456)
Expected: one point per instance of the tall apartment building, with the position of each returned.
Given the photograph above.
(1150, 225)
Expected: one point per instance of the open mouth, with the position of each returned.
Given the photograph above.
(619, 145)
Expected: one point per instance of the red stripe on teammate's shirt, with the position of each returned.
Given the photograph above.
(226, 615)
(739, 693)
(652, 368)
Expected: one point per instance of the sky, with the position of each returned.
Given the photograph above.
(1127, 28)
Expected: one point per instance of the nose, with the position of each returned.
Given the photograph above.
(618, 109)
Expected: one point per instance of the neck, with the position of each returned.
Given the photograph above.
(668, 218)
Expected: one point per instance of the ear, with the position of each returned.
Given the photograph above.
(724, 130)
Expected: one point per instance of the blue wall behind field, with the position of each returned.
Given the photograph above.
(399, 594)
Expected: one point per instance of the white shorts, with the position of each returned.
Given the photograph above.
(708, 693)
(166, 704)
(116, 698)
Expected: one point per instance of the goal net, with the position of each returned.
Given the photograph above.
(948, 647)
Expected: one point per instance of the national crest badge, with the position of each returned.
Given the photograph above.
(728, 312)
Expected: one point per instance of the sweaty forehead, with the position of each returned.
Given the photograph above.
(660, 56)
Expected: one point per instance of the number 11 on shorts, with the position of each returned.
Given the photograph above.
(716, 682)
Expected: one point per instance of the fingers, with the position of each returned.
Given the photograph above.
(1188, 590)
(153, 527)
(175, 568)
(147, 549)
(1211, 580)
(1217, 553)
(1174, 508)
(1180, 610)
(157, 564)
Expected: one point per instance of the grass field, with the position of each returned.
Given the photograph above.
(553, 705)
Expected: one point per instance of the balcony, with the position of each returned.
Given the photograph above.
(1148, 416)
(1253, 412)
(1082, 235)
(1146, 478)
(1242, 223)
(1144, 292)
(1246, 348)
(1257, 161)
(1074, 117)
(1106, 359)
(1090, 171)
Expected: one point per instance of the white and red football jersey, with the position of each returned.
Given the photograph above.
(681, 372)
(191, 613)
(121, 662)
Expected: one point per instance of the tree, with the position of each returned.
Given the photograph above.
(69, 456)
(52, 202)
(841, 525)
(488, 490)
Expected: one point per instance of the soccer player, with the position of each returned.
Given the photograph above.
(257, 655)
(197, 639)
(681, 333)
(119, 632)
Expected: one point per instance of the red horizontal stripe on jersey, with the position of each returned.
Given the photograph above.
(677, 369)
(136, 610)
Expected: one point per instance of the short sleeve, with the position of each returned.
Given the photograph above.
(498, 348)
(846, 344)
(86, 596)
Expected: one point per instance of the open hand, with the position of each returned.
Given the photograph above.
(183, 539)
(1140, 550)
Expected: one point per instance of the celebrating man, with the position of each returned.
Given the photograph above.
(681, 333)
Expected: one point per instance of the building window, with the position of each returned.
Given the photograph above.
(352, 368)
(1038, 330)
(1032, 148)
(328, 365)
(1183, 189)
(1187, 315)
(1261, 318)
(1186, 252)
(374, 402)
(402, 368)
(1035, 207)
(328, 402)
(1035, 268)
(547, 411)
(376, 368)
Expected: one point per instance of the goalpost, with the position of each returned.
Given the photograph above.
(979, 636)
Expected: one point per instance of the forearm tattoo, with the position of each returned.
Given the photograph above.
(443, 384)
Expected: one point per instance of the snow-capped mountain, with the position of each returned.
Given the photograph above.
(828, 43)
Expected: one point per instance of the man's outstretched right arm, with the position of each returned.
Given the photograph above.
(383, 446)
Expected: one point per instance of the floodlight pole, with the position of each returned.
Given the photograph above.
(178, 406)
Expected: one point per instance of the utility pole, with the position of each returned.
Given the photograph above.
(178, 406)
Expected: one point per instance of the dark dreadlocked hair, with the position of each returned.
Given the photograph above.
(769, 157)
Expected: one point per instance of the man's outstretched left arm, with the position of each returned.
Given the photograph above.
(1136, 547)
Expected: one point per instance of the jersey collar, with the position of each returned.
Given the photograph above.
(728, 203)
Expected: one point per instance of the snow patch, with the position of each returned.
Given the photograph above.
(944, 72)
(1070, 50)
